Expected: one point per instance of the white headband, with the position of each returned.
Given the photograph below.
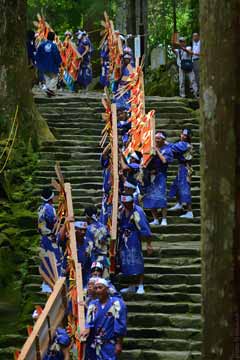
(97, 264)
(126, 198)
(50, 197)
(129, 185)
(135, 156)
(80, 224)
(102, 282)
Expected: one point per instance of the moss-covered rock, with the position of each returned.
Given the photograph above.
(162, 81)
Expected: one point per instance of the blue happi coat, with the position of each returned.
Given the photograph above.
(155, 193)
(48, 57)
(106, 208)
(84, 257)
(132, 227)
(106, 325)
(31, 51)
(97, 236)
(104, 77)
(48, 240)
(123, 100)
(85, 70)
(181, 186)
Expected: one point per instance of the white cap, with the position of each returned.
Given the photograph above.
(102, 282)
(96, 264)
(129, 185)
(135, 156)
(80, 224)
(182, 38)
(126, 198)
(93, 279)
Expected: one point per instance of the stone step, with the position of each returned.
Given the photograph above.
(172, 261)
(155, 307)
(170, 123)
(192, 289)
(164, 323)
(194, 229)
(168, 297)
(162, 344)
(7, 353)
(75, 169)
(166, 320)
(98, 108)
(97, 114)
(166, 279)
(164, 332)
(159, 355)
(11, 340)
(165, 269)
(92, 105)
(179, 249)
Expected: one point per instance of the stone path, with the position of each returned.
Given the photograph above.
(165, 323)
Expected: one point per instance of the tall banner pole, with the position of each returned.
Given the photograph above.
(78, 271)
(112, 251)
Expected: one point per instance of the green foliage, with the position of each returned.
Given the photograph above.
(65, 15)
(162, 81)
(160, 25)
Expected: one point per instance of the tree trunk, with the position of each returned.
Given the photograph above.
(15, 78)
(121, 16)
(137, 19)
(220, 153)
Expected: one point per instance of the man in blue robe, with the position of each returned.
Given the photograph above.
(104, 54)
(155, 189)
(48, 60)
(181, 186)
(83, 250)
(97, 236)
(85, 49)
(124, 125)
(126, 70)
(133, 228)
(97, 272)
(46, 222)
(106, 208)
(105, 324)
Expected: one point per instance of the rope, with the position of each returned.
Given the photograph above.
(9, 137)
(11, 147)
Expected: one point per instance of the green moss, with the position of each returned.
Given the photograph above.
(162, 81)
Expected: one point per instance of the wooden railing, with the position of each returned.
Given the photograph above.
(44, 329)
(55, 309)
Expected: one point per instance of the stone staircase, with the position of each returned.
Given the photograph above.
(165, 322)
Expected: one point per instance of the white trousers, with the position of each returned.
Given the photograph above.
(51, 81)
(192, 81)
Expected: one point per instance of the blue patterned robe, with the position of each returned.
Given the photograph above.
(130, 247)
(97, 236)
(104, 77)
(106, 325)
(106, 209)
(181, 185)
(123, 100)
(155, 193)
(85, 71)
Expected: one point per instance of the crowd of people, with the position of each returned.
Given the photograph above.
(188, 62)
(45, 58)
(140, 188)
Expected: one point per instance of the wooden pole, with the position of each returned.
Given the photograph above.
(29, 350)
(78, 268)
(115, 188)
